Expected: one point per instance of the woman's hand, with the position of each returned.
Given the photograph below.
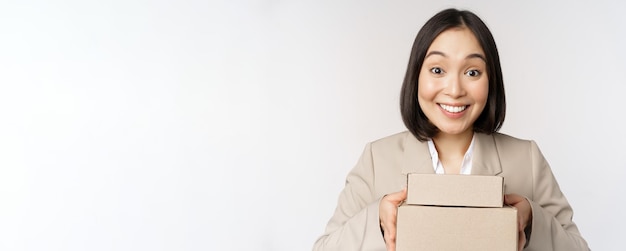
(524, 215)
(388, 210)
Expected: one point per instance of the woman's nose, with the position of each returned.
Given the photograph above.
(454, 86)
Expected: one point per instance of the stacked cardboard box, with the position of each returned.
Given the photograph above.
(456, 212)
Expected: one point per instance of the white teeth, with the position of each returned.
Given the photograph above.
(453, 109)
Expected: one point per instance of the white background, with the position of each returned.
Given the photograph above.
(229, 125)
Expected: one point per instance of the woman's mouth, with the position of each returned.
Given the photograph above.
(453, 109)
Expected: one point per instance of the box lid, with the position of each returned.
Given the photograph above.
(455, 190)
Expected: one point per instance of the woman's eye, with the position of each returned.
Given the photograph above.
(436, 70)
(473, 73)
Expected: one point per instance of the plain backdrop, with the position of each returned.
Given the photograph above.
(231, 125)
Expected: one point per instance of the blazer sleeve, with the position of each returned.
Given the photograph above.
(552, 226)
(355, 224)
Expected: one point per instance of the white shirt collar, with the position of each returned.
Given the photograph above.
(466, 165)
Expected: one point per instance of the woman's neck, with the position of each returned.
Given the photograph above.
(453, 145)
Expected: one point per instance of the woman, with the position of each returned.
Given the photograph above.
(453, 104)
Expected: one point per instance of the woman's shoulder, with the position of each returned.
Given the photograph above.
(400, 140)
(406, 135)
(390, 139)
(505, 141)
(502, 137)
(396, 144)
(394, 140)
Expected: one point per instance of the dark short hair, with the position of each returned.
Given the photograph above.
(492, 117)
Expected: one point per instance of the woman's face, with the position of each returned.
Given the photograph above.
(453, 85)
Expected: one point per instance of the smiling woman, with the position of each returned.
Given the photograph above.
(453, 104)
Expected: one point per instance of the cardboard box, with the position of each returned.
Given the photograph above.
(455, 190)
(456, 228)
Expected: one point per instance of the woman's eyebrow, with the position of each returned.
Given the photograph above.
(470, 56)
(476, 55)
(436, 53)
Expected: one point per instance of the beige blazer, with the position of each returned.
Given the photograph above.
(384, 164)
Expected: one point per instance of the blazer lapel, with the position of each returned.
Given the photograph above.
(486, 160)
(416, 156)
